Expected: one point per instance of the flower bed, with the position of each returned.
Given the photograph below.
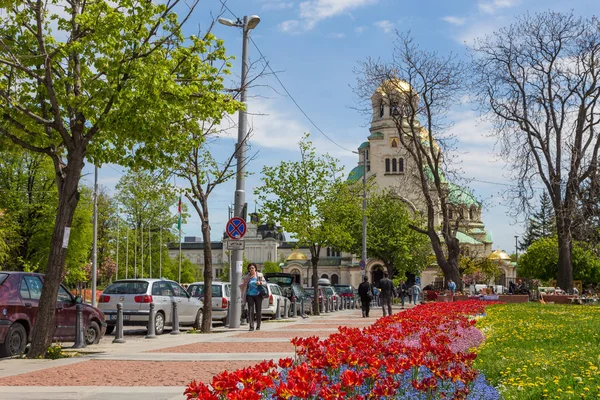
(423, 353)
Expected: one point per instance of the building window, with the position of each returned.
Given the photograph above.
(394, 143)
(394, 165)
(387, 165)
(328, 252)
(335, 279)
(367, 154)
(324, 276)
(368, 166)
(381, 109)
(401, 165)
(471, 213)
(394, 109)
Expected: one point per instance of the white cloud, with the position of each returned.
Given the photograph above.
(385, 26)
(491, 7)
(454, 20)
(337, 35)
(276, 5)
(314, 11)
(360, 29)
(290, 26)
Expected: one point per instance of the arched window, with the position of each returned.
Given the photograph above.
(394, 143)
(297, 275)
(472, 213)
(387, 165)
(335, 279)
(394, 109)
(381, 109)
(324, 276)
(367, 154)
(401, 164)
(394, 165)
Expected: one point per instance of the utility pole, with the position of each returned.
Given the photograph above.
(95, 240)
(248, 23)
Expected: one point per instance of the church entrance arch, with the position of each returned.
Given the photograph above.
(297, 276)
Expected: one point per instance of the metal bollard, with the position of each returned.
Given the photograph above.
(301, 307)
(79, 339)
(294, 308)
(151, 334)
(278, 309)
(321, 306)
(327, 305)
(175, 323)
(244, 321)
(285, 308)
(227, 316)
(119, 328)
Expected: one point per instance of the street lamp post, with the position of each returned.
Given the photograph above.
(516, 249)
(247, 24)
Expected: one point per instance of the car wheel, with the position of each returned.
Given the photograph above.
(15, 341)
(198, 320)
(110, 329)
(159, 323)
(92, 333)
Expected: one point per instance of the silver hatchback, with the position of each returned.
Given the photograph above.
(221, 295)
(136, 296)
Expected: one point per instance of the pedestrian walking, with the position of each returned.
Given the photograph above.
(365, 291)
(410, 292)
(252, 296)
(386, 286)
(416, 291)
(452, 287)
(402, 291)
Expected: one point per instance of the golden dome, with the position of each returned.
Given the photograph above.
(297, 256)
(392, 85)
(499, 255)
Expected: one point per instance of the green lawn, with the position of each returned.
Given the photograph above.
(536, 351)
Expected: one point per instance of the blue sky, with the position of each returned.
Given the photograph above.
(314, 46)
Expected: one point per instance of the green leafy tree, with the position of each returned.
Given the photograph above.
(541, 224)
(145, 200)
(106, 80)
(541, 261)
(270, 266)
(389, 236)
(294, 193)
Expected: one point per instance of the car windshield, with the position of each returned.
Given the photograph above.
(281, 280)
(343, 289)
(3, 277)
(310, 291)
(198, 290)
(127, 287)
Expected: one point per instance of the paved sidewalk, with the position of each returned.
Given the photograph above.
(159, 369)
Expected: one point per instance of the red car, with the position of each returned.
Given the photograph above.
(19, 298)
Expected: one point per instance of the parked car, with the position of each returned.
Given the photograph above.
(221, 296)
(269, 304)
(346, 291)
(331, 294)
(136, 296)
(20, 294)
(291, 290)
(311, 293)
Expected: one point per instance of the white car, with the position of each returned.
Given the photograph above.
(269, 304)
(221, 295)
(136, 296)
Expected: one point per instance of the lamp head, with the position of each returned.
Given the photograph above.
(226, 22)
(253, 20)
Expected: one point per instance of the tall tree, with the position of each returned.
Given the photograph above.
(538, 80)
(146, 200)
(104, 80)
(420, 87)
(294, 193)
(541, 224)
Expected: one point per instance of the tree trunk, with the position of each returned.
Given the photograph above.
(448, 264)
(564, 275)
(68, 197)
(314, 260)
(208, 275)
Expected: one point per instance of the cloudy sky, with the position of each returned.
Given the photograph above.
(314, 47)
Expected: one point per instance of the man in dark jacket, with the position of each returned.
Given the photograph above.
(365, 291)
(387, 293)
(401, 292)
